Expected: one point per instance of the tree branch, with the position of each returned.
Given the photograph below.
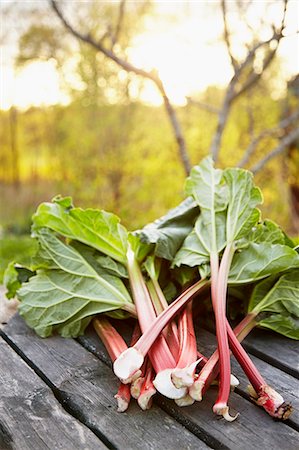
(282, 125)
(202, 105)
(287, 140)
(227, 36)
(121, 14)
(128, 67)
(234, 90)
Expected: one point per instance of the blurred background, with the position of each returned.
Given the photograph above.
(112, 102)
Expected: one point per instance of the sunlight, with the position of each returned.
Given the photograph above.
(185, 65)
(37, 84)
(188, 53)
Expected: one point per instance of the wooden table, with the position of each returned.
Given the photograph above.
(58, 394)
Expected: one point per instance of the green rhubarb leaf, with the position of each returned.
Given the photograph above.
(169, 231)
(267, 231)
(260, 290)
(192, 253)
(259, 261)
(11, 280)
(242, 213)
(104, 265)
(64, 299)
(96, 228)
(140, 248)
(283, 297)
(14, 276)
(282, 324)
(206, 185)
(153, 266)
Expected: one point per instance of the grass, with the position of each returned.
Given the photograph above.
(15, 248)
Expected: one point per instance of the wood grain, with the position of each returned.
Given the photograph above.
(86, 387)
(30, 416)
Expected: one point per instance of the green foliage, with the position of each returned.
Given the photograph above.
(228, 214)
(65, 295)
(99, 229)
(281, 298)
(20, 248)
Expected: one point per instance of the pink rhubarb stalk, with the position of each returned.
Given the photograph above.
(123, 397)
(211, 368)
(148, 389)
(170, 332)
(183, 374)
(263, 394)
(132, 359)
(150, 335)
(219, 277)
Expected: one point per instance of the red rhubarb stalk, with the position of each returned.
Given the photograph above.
(132, 359)
(144, 344)
(170, 332)
(148, 389)
(263, 394)
(218, 290)
(183, 374)
(123, 397)
(211, 368)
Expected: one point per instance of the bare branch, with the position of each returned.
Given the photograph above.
(285, 142)
(202, 105)
(282, 125)
(121, 14)
(227, 36)
(235, 89)
(222, 119)
(127, 66)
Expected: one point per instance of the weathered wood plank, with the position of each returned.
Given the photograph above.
(275, 349)
(247, 432)
(87, 386)
(285, 384)
(30, 416)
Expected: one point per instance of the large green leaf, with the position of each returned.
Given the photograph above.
(242, 214)
(169, 231)
(193, 252)
(268, 231)
(14, 276)
(282, 324)
(96, 228)
(259, 261)
(101, 263)
(64, 298)
(206, 185)
(283, 297)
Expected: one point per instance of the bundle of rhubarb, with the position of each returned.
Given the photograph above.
(212, 254)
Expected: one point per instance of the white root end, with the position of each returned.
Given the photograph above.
(122, 404)
(195, 391)
(223, 410)
(164, 385)
(136, 387)
(127, 364)
(185, 401)
(228, 417)
(234, 382)
(145, 399)
(184, 377)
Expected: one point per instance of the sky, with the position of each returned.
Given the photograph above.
(187, 51)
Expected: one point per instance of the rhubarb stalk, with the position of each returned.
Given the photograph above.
(183, 374)
(264, 395)
(149, 336)
(218, 291)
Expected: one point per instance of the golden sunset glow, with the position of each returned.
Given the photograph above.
(188, 54)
